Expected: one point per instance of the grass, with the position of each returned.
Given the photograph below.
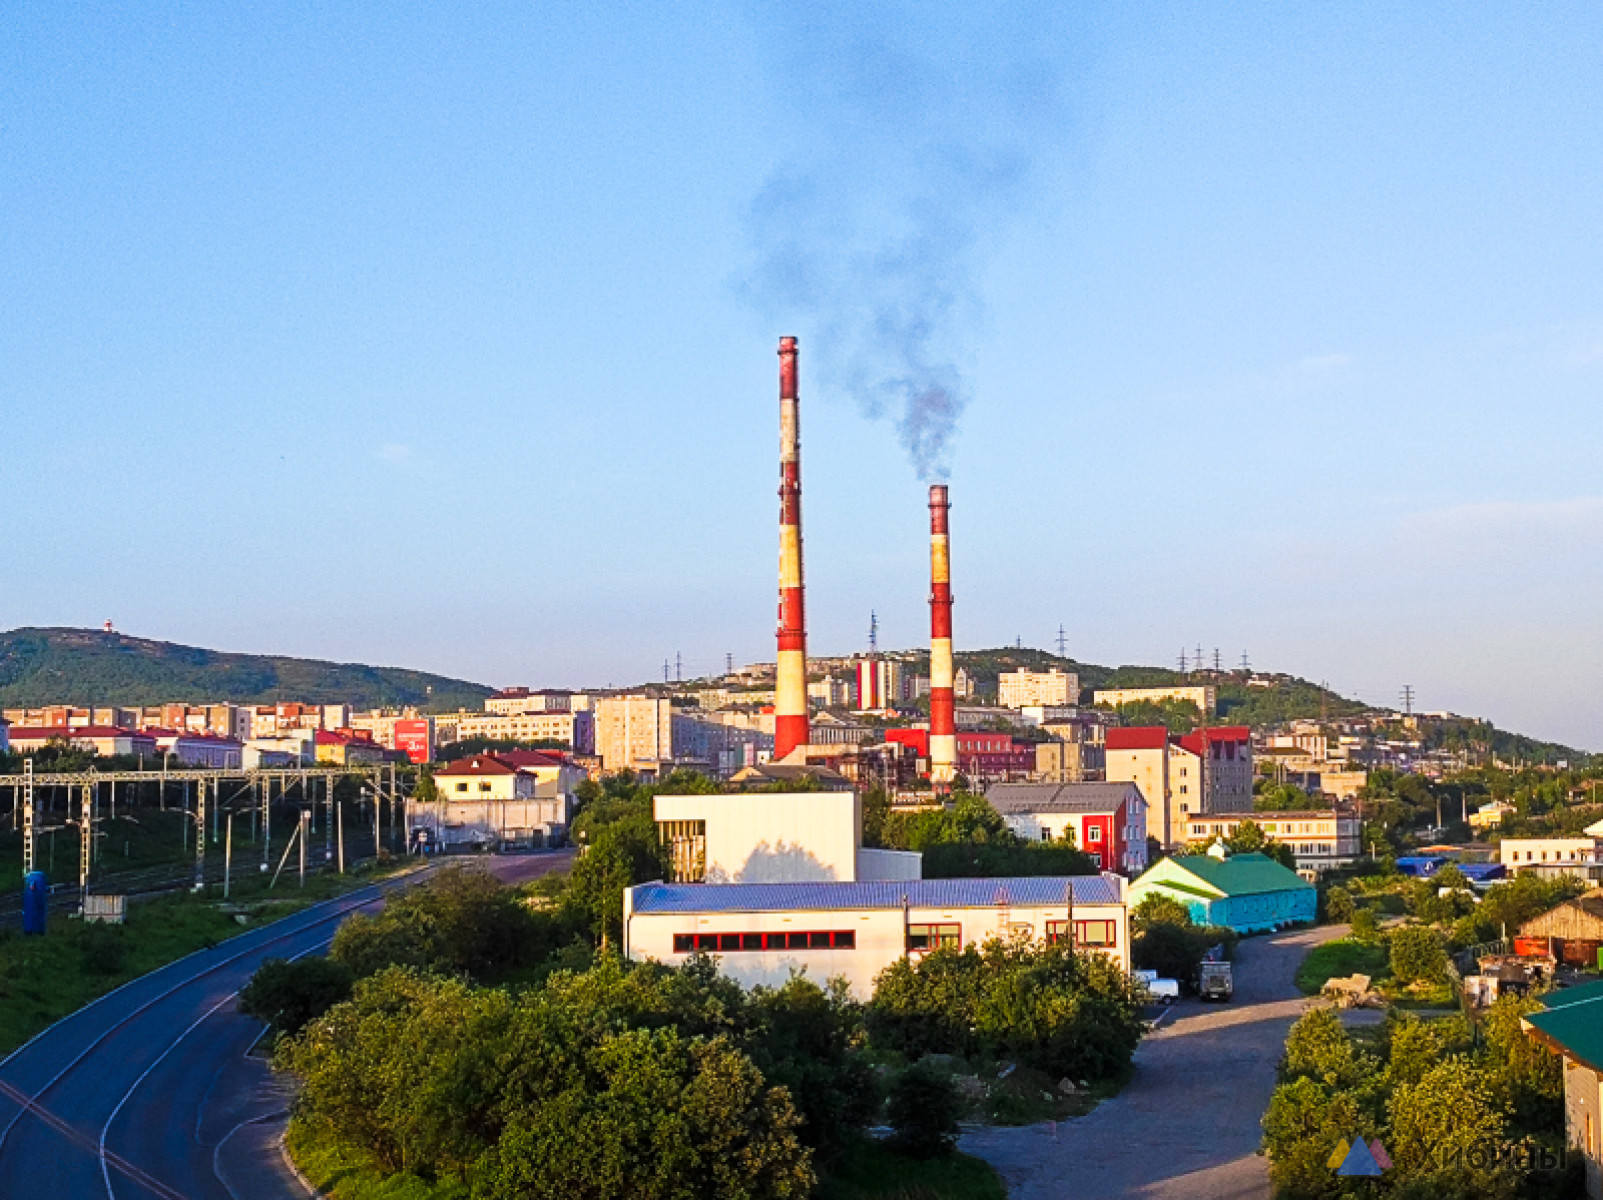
(871, 1171)
(43, 979)
(1347, 956)
(342, 1173)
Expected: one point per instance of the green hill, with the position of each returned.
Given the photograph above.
(87, 667)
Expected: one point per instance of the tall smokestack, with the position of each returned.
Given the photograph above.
(790, 686)
(943, 709)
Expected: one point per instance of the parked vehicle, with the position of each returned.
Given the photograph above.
(1215, 981)
(1162, 991)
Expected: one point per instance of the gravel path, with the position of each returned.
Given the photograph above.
(1186, 1126)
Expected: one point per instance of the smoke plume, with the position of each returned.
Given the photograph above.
(874, 234)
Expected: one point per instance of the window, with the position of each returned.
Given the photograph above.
(1046, 834)
(461, 787)
(484, 787)
(728, 943)
(1093, 833)
(1085, 933)
(933, 937)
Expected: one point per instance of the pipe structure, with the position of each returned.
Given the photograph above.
(943, 705)
(790, 684)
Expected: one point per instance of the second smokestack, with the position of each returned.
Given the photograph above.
(943, 704)
(790, 681)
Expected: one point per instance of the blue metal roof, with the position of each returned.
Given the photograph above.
(916, 893)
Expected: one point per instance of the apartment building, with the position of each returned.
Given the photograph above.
(1025, 689)
(1205, 697)
(1320, 839)
(634, 732)
(1552, 857)
(1170, 772)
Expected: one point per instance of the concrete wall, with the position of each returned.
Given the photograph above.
(775, 837)
(889, 864)
(880, 936)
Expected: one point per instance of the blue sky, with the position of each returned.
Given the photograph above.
(443, 336)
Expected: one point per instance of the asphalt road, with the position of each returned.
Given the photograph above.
(148, 1092)
(1186, 1126)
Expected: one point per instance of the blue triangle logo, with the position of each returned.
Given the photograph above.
(1359, 1161)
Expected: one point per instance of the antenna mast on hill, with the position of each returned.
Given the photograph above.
(1063, 643)
(1246, 667)
(1408, 699)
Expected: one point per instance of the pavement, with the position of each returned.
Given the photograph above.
(150, 1090)
(1186, 1126)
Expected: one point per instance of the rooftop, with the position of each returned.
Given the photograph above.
(915, 893)
(1573, 1023)
(1239, 874)
(1060, 797)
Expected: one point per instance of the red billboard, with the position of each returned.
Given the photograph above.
(415, 736)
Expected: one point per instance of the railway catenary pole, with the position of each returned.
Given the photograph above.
(28, 816)
(86, 840)
(200, 834)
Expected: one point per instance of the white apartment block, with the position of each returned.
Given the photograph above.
(1024, 689)
(1206, 698)
(1578, 856)
(634, 732)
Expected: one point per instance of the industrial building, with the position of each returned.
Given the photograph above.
(1249, 893)
(1581, 857)
(772, 883)
(1572, 932)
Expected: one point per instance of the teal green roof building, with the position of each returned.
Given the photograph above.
(1249, 893)
(1572, 1026)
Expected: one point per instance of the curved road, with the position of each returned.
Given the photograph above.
(148, 1092)
(1186, 1126)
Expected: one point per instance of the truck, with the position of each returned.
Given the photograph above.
(1214, 981)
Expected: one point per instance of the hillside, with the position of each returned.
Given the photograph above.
(87, 667)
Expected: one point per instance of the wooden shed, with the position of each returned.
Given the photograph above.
(1573, 930)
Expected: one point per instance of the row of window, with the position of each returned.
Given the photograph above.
(815, 939)
(919, 938)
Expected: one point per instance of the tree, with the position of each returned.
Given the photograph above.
(924, 1108)
(286, 994)
(1304, 1121)
(1339, 905)
(1318, 1047)
(1418, 955)
(1366, 925)
(810, 1041)
(618, 856)
(1449, 1113)
(1156, 908)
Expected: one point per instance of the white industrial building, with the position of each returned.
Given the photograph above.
(515, 797)
(773, 883)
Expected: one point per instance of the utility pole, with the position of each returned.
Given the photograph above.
(1408, 699)
(1246, 667)
(1183, 670)
(228, 856)
(306, 818)
(1063, 643)
(1216, 660)
(267, 820)
(678, 670)
(86, 839)
(729, 664)
(339, 821)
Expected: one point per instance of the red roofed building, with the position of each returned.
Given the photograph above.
(513, 796)
(1209, 771)
(97, 739)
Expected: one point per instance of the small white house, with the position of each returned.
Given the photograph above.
(487, 799)
(763, 932)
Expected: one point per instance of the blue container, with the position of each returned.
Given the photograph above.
(35, 902)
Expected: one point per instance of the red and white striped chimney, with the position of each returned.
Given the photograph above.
(790, 684)
(943, 705)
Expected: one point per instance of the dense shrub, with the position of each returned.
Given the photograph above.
(1176, 951)
(1418, 955)
(463, 920)
(1066, 1013)
(923, 1108)
(102, 948)
(286, 995)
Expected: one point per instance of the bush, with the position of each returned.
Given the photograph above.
(924, 1108)
(1366, 926)
(1339, 906)
(1418, 955)
(462, 921)
(1158, 909)
(102, 948)
(287, 995)
(1048, 1007)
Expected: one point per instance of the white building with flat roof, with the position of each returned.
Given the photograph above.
(1029, 689)
(1552, 857)
(763, 933)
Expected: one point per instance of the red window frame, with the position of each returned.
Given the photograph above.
(1081, 931)
(934, 935)
(738, 941)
